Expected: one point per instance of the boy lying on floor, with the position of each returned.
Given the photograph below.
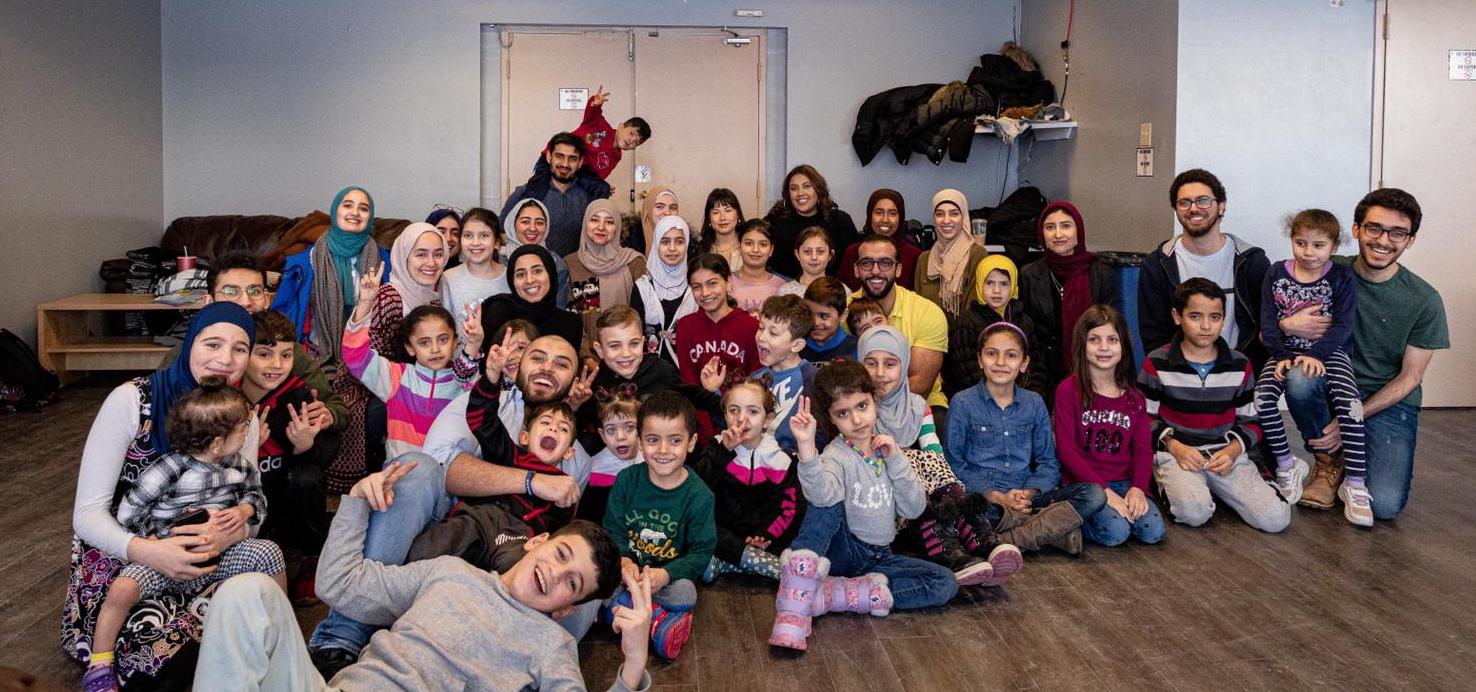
(452, 626)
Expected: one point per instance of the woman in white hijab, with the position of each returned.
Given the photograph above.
(662, 295)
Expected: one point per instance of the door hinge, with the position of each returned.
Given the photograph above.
(630, 46)
(1386, 25)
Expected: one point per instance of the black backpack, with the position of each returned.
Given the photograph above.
(24, 384)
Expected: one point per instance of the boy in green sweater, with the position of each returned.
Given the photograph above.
(660, 514)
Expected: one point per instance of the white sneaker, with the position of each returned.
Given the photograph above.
(1290, 481)
(1357, 504)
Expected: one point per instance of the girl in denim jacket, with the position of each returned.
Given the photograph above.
(1001, 446)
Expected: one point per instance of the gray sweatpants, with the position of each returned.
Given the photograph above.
(252, 641)
(1192, 494)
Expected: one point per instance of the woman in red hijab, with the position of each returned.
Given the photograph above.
(1057, 288)
(885, 214)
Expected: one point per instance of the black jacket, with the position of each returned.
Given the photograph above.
(961, 364)
(745, 509)
(1048, 345)
(882, 116)
(1156, 297)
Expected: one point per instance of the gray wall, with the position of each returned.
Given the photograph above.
(273, 106)
(1123, 61)
(80, 139)
(1296, 141)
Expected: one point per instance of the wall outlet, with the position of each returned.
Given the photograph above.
(1145, 162)
(1145, 134)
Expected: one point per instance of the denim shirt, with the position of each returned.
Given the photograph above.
(993, 449)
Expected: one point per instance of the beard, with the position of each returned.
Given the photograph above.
(525, 377)
(1201, 232)
(886, 289)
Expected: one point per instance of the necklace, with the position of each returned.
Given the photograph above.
(875, 462)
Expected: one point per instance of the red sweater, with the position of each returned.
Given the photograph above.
(698, 339)
(1111, 440)
(601, 152)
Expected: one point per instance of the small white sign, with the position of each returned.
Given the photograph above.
(643, 173)
(1463, 65)
(1145, 162)
(573, 99)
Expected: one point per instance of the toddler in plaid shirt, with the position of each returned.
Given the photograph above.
(206, 470)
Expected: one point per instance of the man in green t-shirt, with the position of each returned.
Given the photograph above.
(1400, 325)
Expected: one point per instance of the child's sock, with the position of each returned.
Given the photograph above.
(760, 562)
(1356, 482)
(716, 568)
(1285, 462)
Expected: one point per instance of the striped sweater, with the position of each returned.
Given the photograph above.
(413, 394)
(1200, 411)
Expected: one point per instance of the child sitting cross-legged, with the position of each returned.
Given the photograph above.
(1103, 430)
(1200, 393)
(943, 533)
(1000, 444)
(784, 324)
(661, 516)
(413, 394)
(759, 507)
(205, 479)
(841, 560)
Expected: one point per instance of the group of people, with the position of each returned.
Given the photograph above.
(586, 423)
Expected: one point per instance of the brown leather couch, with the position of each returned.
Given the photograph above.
(272, 238)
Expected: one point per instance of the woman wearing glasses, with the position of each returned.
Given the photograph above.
(1203, 250)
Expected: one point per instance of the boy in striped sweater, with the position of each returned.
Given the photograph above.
(1201, 394)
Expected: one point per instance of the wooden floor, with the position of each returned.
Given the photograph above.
(1219, 608)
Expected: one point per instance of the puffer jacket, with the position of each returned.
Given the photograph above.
(883, 114)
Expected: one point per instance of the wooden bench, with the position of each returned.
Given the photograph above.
(66, 332)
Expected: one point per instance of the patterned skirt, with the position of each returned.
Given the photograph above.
(159, 643)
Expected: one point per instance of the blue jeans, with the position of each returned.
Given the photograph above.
(914, 583)
(1107, 527)
(1086, 498)
(420, 499)
(1389, 434)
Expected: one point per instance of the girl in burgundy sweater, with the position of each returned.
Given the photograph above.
(1103, 430)
(717, 329)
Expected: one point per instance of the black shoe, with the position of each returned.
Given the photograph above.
(329, 661)
(943, 547)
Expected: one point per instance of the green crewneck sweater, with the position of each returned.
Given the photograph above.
(673, 529)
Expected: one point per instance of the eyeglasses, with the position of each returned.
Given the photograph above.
(885, 264)
(1397, 235)
(1202, 201)
(252, 291)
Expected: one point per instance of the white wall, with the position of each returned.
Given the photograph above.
(1275, 98)
(80, 136)
(273, 106)
(1122, 74)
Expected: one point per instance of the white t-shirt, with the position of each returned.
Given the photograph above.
(1219, 268)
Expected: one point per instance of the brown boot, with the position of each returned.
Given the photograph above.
(1327, 473)
(1057, 526)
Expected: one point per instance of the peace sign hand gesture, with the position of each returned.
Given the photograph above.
(367, 285)
(302, 429)
(471, 332)
(378, 489)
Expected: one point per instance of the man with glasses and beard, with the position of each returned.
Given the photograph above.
(1400, 325)
(1203, 250)
(919, 319)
